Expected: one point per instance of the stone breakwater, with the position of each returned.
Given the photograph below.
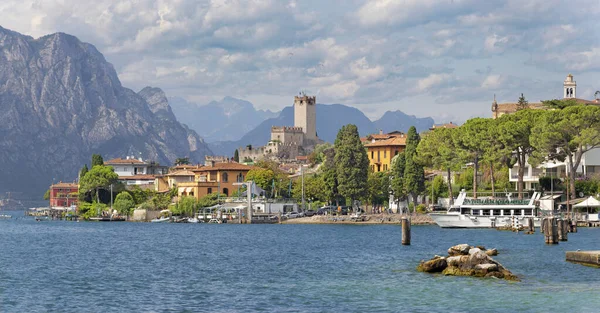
(416, 219)
(466, 260)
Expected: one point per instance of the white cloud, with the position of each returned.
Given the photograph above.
(431, 81)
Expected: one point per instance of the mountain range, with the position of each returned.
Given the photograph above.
(228, 119)
(330, 118)
(61, 101)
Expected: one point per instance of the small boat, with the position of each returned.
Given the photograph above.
(193, 220)
(5, 216)
(489, 212)
(161, 220)
(41, 218)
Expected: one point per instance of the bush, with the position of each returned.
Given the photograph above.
(421, 209)
(87, 210)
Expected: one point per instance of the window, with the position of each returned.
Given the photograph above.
(226, 192)
(372, 154)
(208, 191)
(506, 212)
(396, 152)
(224, 177)
(240, 178)
(497, 212)
(485, 212)
(378, 155)
(385, 153)
(475, 212)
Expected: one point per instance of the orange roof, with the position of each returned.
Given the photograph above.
(394, 141)
(124, 161)
(65, 185)
(181, 173)
(137, 177)
(302, 157)
(231, 166)
(185, 166)
(447, 125)
(511, 107)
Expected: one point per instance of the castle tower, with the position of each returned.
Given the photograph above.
(305, 115)
(570, 87)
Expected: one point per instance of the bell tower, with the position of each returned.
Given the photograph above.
(305, 115)
(569, 87)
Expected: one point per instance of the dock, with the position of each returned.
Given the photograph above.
(584, 257)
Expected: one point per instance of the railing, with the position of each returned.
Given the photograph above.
(497, 201)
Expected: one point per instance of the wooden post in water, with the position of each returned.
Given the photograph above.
(550, 230)
(573, 226)
(405, 231)
(279, 217)
(563, 226)
(530, 225)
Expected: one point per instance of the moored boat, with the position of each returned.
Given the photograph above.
(489, 212)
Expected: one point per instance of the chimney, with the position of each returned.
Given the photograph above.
(381, 131)
(127, 158)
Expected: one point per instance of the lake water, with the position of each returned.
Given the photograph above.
(144, 267)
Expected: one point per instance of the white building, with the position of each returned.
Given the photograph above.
(134, 171)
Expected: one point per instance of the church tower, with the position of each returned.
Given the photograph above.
(570, 87)
(305, 115)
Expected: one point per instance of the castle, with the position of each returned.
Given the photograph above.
(288, 142)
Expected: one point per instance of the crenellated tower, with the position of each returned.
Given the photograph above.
(305, 115)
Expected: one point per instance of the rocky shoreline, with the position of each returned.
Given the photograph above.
(416, 219)
(466, 260)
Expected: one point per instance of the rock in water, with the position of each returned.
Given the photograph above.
(465, 260)
(435, 265)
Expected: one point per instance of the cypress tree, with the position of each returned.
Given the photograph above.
(414, 174)
(351, 163)
(97, 160)
(236, 156)
(83, 171)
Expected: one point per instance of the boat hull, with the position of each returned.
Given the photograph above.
(469, 221)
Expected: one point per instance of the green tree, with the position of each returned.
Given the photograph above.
(83, 171)
(210, 200)
(352, 164)
(378, 188)
(182, 161)
(99, 177)
(414, 175)
(186, 206)
(471, 142)
(262, 177)
(515, 134)
(565, 135)
(318, 155)
(124, 203)
(560, 104)
(314, 188)
(236, 156)
(329, 176)
(436, 150)
(522, 104)
(96, 160)
(397, 177)
(47, 195)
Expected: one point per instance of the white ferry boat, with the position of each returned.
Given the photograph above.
(489, 212)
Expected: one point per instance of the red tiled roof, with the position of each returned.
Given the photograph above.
(394, 141)
(302, 157)
(231, 166)
(137, 177)
(124, 161)
(65, 185)
(181, 173)
(447, 125)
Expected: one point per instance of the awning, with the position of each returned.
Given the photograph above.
(549, 197)
(590, 202)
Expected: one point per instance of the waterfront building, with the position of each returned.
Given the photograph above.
(382, 148)
(218, 177)
(64, 194)
(138, 172)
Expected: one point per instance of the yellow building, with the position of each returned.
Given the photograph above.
(219, 177)
(382, 148)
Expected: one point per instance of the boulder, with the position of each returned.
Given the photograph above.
(433, 266)
(491, 252)
(462, 249)
(464, 260)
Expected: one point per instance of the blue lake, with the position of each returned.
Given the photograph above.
(143, 267)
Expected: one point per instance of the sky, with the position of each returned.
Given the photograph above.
(445, 59)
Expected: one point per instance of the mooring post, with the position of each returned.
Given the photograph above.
(531, 225)
(549, 229)
(574, 226)
(405, 231)
(279, 217)
(563, 226)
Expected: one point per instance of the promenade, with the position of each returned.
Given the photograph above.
(417, 219)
